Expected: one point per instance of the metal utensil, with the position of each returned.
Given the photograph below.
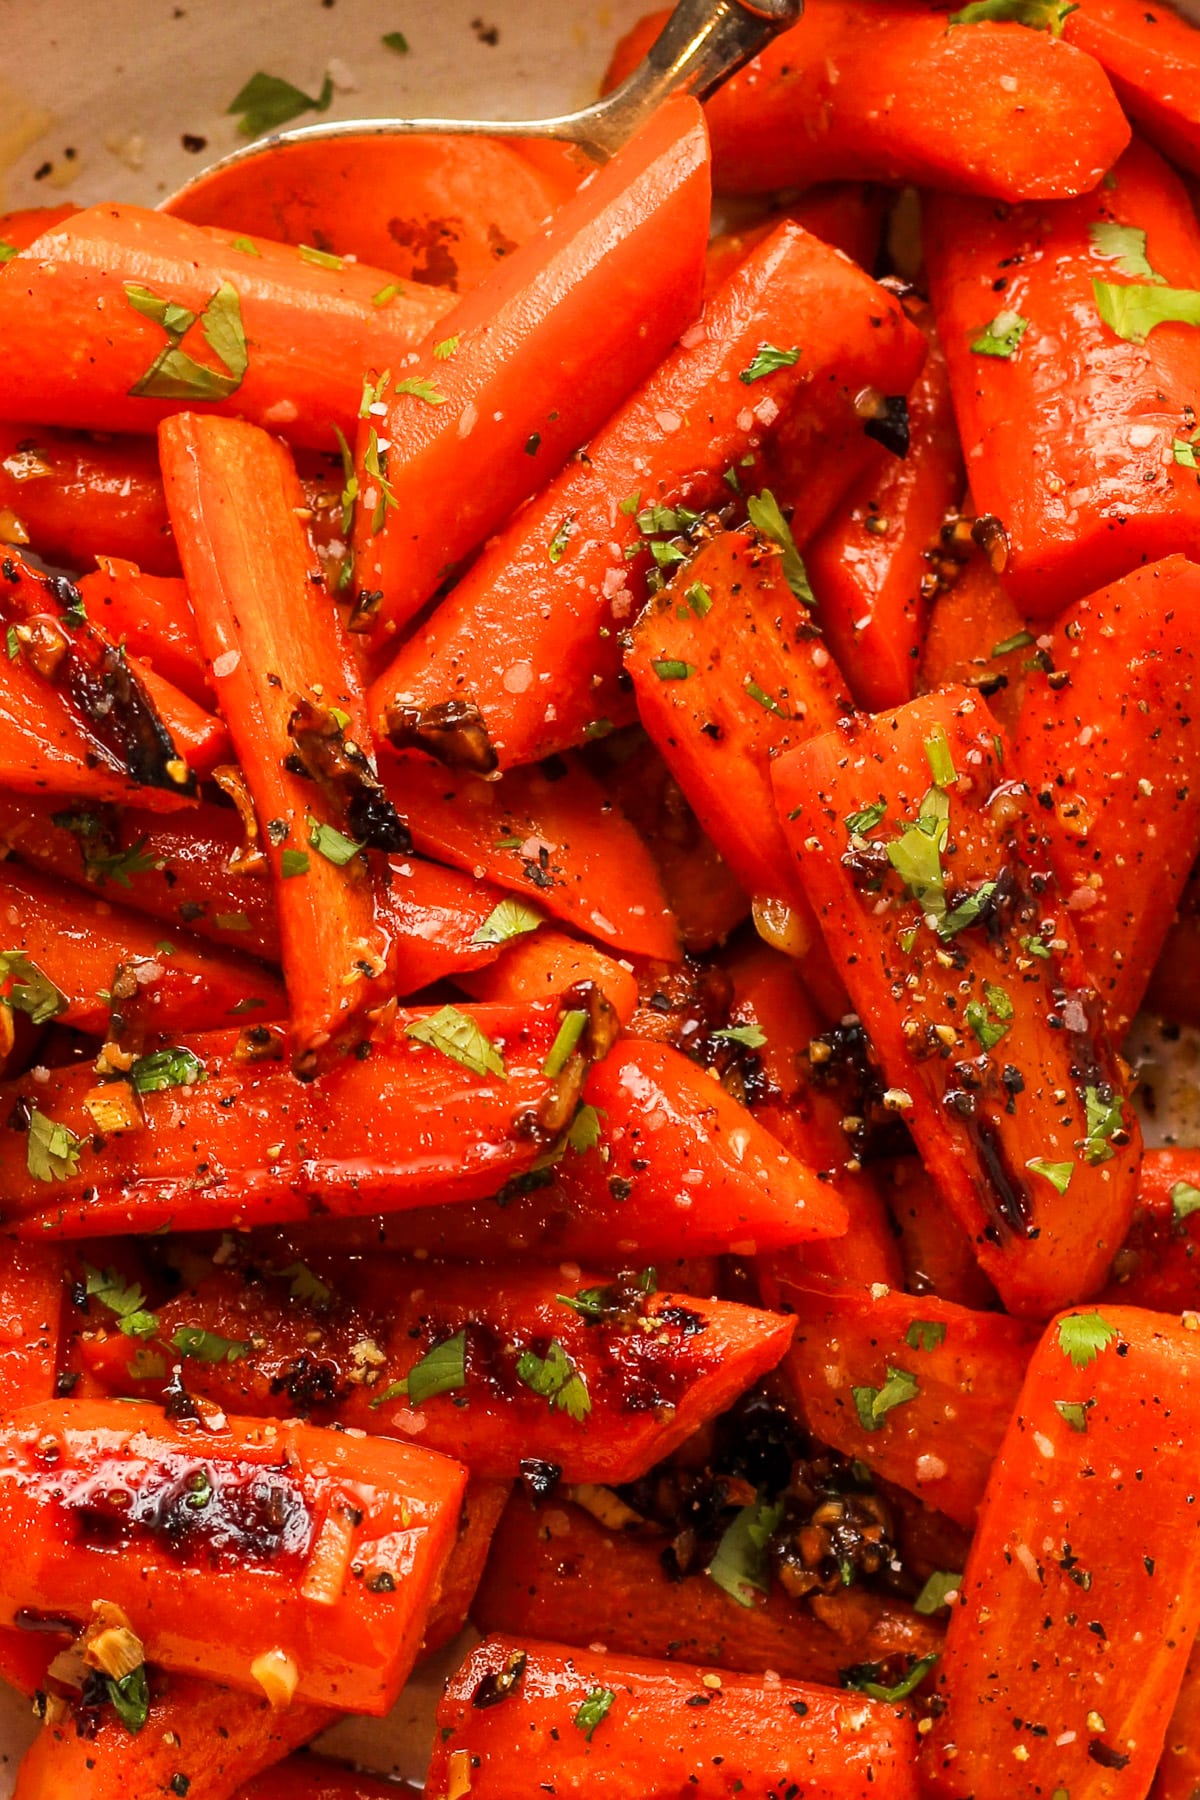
(703, 42)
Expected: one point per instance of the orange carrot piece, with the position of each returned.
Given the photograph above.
(1174, 991)
(1179, 1766)
(549, 595)
(316, 1778)
(152, 615)
(848, 215)
(265, 332)
(77, 498)
(482, 1508)
(1122, 796)
(1078, 1633)
(1151, 58)
(32, 1298)
(936, 1253)
(921, 853)
(277, 657)
(543, 964)
(1158, 1265)
(976, 637)
(529, 366)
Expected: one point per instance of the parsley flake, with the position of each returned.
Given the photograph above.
(421, 388)
(1058, 1174)
(594, 1710)
(925, 1334)
(766, 360)
(1001, 336)
(1082, 1336)
(740, 1563)
(557, 546)
(874, 1404)
(554, 1377)
(52, 1150)
(1105, 1119)
(942, 1587)
(767, 517)
(395, 40)
(752, 1036)
(24, 988)
(446, 348)
(456, 1035)
(267, 101)
(1125, 245)
(508, 919)
(1185, 1200)
(169, 1068)
(1133, 310)
(858, 824)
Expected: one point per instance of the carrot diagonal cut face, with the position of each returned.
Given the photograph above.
(551, 834)
(448, 1105)
(200, 316)
(268, 1552)
(632, 1726)
(286, 682)
(530, 365)
(527, 646)
(920, 850)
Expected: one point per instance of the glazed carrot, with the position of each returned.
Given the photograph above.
(483, 1505)
(791, 1090)
(436, 211)
(730, 671)
(496, 1369)
(937, 1255)
(975, 636)
(848, 215)
(556, 1571)
(1081, 1594)
(858, 93)
(541, 964)
(192, 315)
(549, 595)
(286, 683)
(1179, 1766)
(1150, 56)
(210, 1737)
(79, 946)
(1122, 798)
(434, 919)
(410, 1123)
(316, 1778)
(180, 873)
(919, 1389)
(259, 1591)
(1174, 991)
(76, 498)
(936, 892)
(702, 892)
(1108, 496)
(1158, 1265)
(152, 615)
(32, 1296)
(677, 1163)
(869, 567)
(530, 365)
(650, 1740)
(20, 229)
(551, 834)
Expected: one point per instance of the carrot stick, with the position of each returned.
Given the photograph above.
(80, 947)
(1122, 797)
(1156, 1266)
(549, 595)
(1096, 1623)
(919, 1389)
(937, 1255)
(921, 853)
(1150, 58)
(531, 364)
(869, 567)
(556, 1572)
(152, 615)
(20, 229)
(436, 211)
(422, 1119)
(1174, 991)
(193, 315)
(76, 498)
(848, 215)
(542, 964)
(1179, 1767)
(852, 93)
(551, 834)
(32, 1297)
(316, 1778)
(650, 1740)
(180, 873)
(975, 636)
(483, 1505)
(277, 658)
(1024, 286)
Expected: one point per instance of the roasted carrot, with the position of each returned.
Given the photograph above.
(544, 963)
(937, 1255)
(1122, 803)
(1179, 1766)
(483, 1505)
(1069, 391)
(1150, 56)
(194, 315)
(856, 93)
(551, 834)
(20, 229)
(919, 1389)
(295, 1621)
(525, 650)
(869, 566)
(76, 498)
(920, 851)
(152, 615)
(601, 1379)
(730, 671)
(975, 636)
(1174, 991)
(287, 684)
(632, 1728)
(555, 1571)
(32, 1296)
(436, 211)
(91, 958)
(848, 215)
(316, 1778)
(529, 365)
(1158, 1265)
(1081, 1594)
(447, 1106)
(191, 873)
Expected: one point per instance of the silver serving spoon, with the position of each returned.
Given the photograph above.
(702, 43)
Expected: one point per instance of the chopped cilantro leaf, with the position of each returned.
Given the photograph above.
(421, 388)
(1126, 246)
(925, 1334)
(766, 516)
(873, 1404)
(1133, 310)
(125, 1299)
(1075, 1412)
(1058, 1174)
(1001, 336)
(554, 1377)
(507, 919)
(858, 824)
(937, 1591)
(267, 101)
(766, 360)
(863, 1679)
(25, 988)
(1184, 453)
(1105, 1120)
(1185, 1200)
(1082, 1336)
(752, 1036)
(457, 1036)
(52, 1150)
(208, 1346)
(740, 1563)
(583, 1133)
(293, 863)
(594, 1710)
(169, 1068)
